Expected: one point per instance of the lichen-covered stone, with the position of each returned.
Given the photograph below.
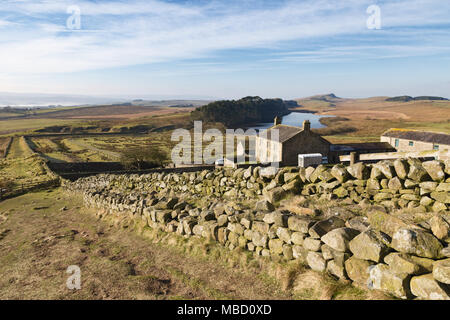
(275, 194)
(358, 223)
(312, 244)
(381, 277)
(416, 242)
(320, 228)
(288, 252)
(373, 185)
(301, 224)
(236, 228)
(401, 168)
(439, 206)
(299, 252)
(440, 227)
(445, 252)
(297, 238)
(387, 168)
(426, 201)
(385, 222)
(441, 271)
(284, 234)
(314, 177)
(443, 187)
(340, 173)
(336, 270)
(370, 245)
(395, 184)
(259, 239)
(380, 196)
(264, 205)
(339, 238)
(341, 192)
(435, 169)
(358, 270)
(359, 171)
(277, 218)
(426, 287)
(376, 174)
(442, 197)
(316, 261)
(403, 263)
(276, 246)
(416, 171)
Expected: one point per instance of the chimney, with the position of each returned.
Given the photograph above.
(276, 121)
(306, 125)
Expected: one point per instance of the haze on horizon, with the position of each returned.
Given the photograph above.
(224, 49)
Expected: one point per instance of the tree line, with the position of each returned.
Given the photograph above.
(248, 110)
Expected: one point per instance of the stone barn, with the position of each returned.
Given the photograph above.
(292, 141)
(413, 140)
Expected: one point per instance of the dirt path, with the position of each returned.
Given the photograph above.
(39, 240)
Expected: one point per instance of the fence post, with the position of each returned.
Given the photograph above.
(354, 157)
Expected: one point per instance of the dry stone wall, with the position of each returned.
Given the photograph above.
(360, 238)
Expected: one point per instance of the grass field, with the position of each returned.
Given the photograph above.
(51, 150)
(22, 167)
(27, 125)
(97, 149)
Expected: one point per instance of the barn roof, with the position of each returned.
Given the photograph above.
(431, 137)
(363, 146)
(286, 132)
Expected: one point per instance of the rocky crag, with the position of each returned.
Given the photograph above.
(385, 226)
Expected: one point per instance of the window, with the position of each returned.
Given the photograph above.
(411, 143)
(436, 147)
(397, 142)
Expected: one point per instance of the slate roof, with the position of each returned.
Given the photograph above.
(431, 137)
(285, 132)
(364, 146)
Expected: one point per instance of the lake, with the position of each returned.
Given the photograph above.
(296, 119)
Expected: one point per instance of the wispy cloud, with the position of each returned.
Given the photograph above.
(199, 37)
(122, 33)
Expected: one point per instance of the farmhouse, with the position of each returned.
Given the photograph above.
(291, 142)
(411, 140)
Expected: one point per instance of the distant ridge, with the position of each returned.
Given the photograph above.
(331, 97)
(409, 98)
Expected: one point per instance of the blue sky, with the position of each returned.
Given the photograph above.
(225, 49)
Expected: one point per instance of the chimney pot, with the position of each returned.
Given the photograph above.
(306, 125)
(277, 121)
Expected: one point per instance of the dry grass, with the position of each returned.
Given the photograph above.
(39, 241)
(369, 118)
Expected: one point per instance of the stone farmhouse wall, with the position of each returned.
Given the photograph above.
(404, 146)
(364, 242)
